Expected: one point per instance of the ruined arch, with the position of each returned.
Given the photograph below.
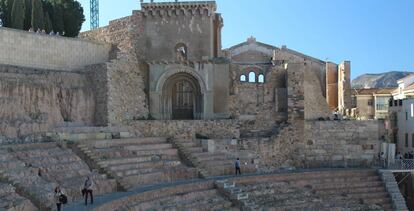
(180, 69)
(182, 93)
(181, 97)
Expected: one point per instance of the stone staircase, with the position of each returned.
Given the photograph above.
(391, 186)
(136, 161)
(326, 190)
(210, 164)
(10, 200)
(36, 169)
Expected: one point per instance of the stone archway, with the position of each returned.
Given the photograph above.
(181, 97)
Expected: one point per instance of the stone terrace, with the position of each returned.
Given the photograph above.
(38, 168)
(10, 200)
(137, 161)
(211, 163)
(326, 190)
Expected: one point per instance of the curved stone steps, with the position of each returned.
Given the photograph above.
(107, 143)
(129, 160)
(141, 165)
(158, 176)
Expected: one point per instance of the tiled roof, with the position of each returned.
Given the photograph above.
(372, 91)
(409, 88)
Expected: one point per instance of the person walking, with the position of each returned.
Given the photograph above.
(88, 187)
(237, 166)
(58, 195)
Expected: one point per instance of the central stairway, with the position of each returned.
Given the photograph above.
(210, 164)
(136, 161)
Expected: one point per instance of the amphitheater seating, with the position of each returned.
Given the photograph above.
(137, 161)
(195, 196)
(327, 190)
(38, 168)
(10, 200)
(212, 163)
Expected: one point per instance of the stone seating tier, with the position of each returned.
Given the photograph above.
(328, 190)
(137, 161)
(193, 196)
(38, 168)
(10, 200)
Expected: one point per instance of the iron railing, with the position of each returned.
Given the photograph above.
(400, 164)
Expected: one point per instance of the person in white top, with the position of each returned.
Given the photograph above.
(58, 194)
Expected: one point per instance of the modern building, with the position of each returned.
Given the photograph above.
(371, 103)
(401, 115)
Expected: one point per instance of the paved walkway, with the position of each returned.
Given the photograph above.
(100, 200)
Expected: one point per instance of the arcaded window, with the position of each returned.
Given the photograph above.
(252, 77)
(243, 78)
(261, 78)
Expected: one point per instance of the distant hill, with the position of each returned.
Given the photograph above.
(381, 80)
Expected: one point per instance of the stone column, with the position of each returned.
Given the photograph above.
(344, 86)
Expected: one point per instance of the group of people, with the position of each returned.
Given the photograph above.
(61, 198)
(407, 155)
(39, 31)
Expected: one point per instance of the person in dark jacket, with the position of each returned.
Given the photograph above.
(237, 166)
(88, 189)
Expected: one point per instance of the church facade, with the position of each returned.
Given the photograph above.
(187, 75)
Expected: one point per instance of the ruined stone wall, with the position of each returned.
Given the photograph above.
(332, 85)
(338, 143)
(259, 105)
(32, 100)
(315, 103)
(97, 78)
(34, 50)
(126, 77)
(187, 129)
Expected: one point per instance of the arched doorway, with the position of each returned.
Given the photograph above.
(182, 98)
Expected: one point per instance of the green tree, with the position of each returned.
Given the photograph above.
(8, 5)
(37, 15)
(17, 14)
(48, 23)
(28, 15)
(73, 17)
(2, 12)
(57, 16)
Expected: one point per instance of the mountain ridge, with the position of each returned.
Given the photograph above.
(379, 80)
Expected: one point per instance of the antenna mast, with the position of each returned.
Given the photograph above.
(94, 14)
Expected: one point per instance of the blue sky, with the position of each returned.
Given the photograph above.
(375, 35)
